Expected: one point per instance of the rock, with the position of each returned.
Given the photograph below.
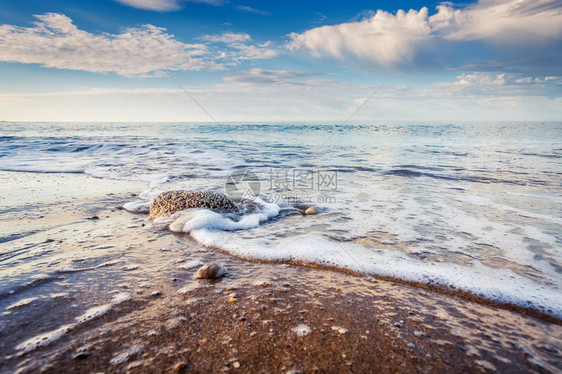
(170, 202)
(232, 300)
(312, 210)
(211, 270)
(419, 333)
(303, 207)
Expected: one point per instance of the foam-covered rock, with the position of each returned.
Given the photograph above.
(170, 202)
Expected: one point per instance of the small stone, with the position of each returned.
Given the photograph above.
(340, 330)
(180, 367)
(411, 345)
(236, 364)
(419, 333)
(211, 270)
(311, 211)
(232, 300)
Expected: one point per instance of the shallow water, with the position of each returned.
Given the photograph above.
(475, 206)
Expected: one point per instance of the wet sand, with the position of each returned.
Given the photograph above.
(258, 318)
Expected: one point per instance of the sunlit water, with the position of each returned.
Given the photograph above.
(475, 206)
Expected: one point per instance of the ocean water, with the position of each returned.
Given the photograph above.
(474, 206)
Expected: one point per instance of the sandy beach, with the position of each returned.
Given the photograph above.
(117, 294)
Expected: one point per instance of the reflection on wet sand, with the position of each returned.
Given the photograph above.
(117, 294)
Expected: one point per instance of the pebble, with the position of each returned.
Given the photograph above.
(179, 367)
(232, 300)
(419, 333)
(340, 330)
(311, 211)
(211, 270)
(411, 346)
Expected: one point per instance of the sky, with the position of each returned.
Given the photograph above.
(250, 60)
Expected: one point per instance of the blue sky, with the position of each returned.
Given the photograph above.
(110, 60)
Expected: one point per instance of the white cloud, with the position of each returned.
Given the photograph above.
(55, 42)
(525, 34)
(249, 9)
(480, 79)
(240, 47)
(260, 76)
(503, 21)
(384, 38)
(486, 86)
(227, 38)
(156, 5)
(164, 5)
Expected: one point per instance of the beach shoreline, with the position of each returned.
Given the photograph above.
(261, 317)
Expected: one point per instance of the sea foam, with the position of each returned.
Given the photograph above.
(52, 336)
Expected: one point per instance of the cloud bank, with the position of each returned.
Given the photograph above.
(262, 95)
(260, 76)
(384, 38)
(514, 28)
(55, 42)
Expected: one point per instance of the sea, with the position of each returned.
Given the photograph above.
(471, 206)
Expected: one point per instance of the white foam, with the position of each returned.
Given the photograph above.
(190, 265)
(301, 330)
(22, 303)
(43, 339)
(496, 284)
(93, 313)
(192, 220)
(137, 206)
(51, 336)
(120, 298)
